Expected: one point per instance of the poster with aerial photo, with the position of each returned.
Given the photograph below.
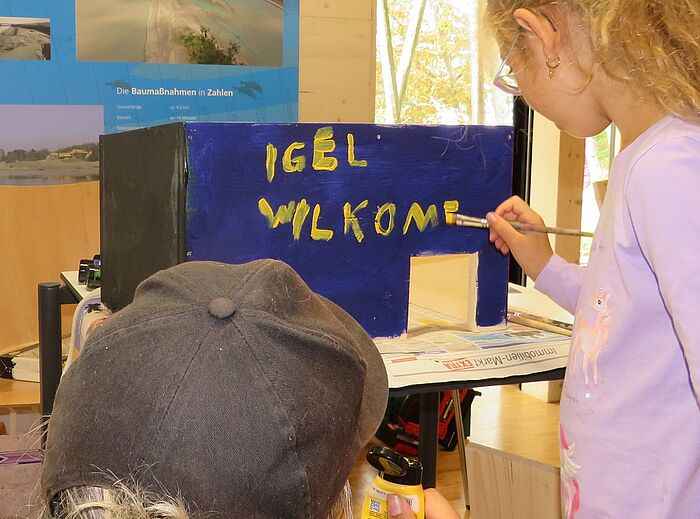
(25, 38)
(42, 145)
(144, 63)
(205, 32)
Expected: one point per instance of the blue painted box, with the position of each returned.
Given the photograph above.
(346, 205)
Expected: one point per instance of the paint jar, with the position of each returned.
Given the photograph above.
(397, 475)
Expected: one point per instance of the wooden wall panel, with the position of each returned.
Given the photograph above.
(337, 61)
(43, 230)
(557, 183)
(570, 195)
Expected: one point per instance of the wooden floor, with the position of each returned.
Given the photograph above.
(502, 418)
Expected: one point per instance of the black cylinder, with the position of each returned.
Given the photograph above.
(49, 343)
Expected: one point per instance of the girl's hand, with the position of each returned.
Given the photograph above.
(436, 507)
(531, 250)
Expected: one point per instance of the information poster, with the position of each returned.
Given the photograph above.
(71, 70)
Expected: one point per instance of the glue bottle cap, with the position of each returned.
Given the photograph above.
(394, 467)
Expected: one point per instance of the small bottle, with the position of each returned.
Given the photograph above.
(83, 270)
(94, 277)
(397, 475)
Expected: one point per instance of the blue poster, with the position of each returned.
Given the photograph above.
(71, 70)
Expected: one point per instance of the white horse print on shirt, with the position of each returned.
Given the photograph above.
(570, 491)
(588, 339)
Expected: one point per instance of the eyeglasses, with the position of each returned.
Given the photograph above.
(505, 79)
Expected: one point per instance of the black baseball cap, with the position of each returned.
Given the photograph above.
(235, 387)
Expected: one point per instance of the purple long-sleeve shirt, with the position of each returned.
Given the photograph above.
(630, 408)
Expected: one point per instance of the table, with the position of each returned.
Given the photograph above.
(18, 393)
(15, 395)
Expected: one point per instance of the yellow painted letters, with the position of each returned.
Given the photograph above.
(300, 214)
(270, 162)
(384, 221)
(324, 143)
(351, 153)
(292, 164)
(422, 219)
(451, 206)
(351, 220)
(316, 233)
(386, 208)
(283, 215)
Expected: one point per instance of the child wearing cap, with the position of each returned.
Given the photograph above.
(222, 390)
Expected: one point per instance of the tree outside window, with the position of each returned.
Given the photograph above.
(435, 64)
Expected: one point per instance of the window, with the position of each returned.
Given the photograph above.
(435, 64)
(599, 152)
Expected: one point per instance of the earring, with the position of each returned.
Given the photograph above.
(552, 64)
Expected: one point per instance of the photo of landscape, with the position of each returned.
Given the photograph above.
(47, 144)
(25, 38)
(208, 32)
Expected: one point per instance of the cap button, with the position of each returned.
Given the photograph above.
(222, 307)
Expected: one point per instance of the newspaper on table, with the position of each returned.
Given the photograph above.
(439, 348)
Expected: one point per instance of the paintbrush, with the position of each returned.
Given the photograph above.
(473, 221)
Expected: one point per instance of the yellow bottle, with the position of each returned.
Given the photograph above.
(397, 475)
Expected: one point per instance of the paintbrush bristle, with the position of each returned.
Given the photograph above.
(450, 219)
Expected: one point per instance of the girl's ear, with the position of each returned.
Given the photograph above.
(542, 27)
(524, 17)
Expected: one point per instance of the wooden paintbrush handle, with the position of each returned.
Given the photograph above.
(527, 227)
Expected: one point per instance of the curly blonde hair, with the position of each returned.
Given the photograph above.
(652, 46)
